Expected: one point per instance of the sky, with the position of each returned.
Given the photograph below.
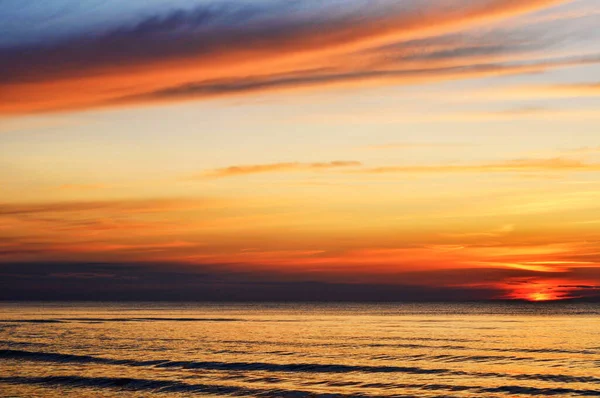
(300, 150)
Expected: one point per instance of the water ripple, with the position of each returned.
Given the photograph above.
(285, 368)
(145, 385)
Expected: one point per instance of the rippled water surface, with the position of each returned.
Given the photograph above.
(299, 350)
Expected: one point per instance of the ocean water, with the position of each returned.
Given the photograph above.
(299, 350)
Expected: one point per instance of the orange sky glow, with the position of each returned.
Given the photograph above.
(449, 150)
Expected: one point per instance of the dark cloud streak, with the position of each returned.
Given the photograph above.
(223, 282)
(176, 282)
(218, 48)
(323, 77)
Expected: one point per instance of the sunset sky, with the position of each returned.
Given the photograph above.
(277, 149)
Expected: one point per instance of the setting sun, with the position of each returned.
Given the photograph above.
(540, 296)
(538, 290)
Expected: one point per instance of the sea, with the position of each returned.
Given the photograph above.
(299, 350)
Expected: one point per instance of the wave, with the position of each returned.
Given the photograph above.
(283, 368)
(423, 346)
(494, 349)
(429, 358)
(136, 319)
(434, 339)
(447, 358)
(410, 345)
(31, 321)
(146, 385)
(27, 344)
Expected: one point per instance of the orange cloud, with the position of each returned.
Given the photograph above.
(416, 145)
(178, 57)
(401, 73)
(537, 259)
(116, 206)
(567, 90)
(82, 187)
(582, 150)
(233, 171)
(572, 90)
(34, 229)
(510, 166)
(500, 257)
(497, 232)
(513, 166)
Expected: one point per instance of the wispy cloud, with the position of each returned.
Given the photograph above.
(512, 166)
(538, 91)
(398, 73)
(116, 206)
(494, 233)
(563, 90)
(83, 187)
(100, 228)
(586, 150)
(391, 116)
(580, 152)
(415, 145)
(534, 165)
(233, 171)
(229, 48)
